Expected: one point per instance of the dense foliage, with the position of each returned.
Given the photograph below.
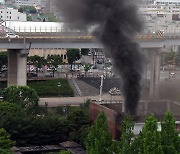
(47, 126)
(84, 51)
(50, 88)
(149, 141)
(5, 142)
(169, 136)
(27, 9)
(26, 97)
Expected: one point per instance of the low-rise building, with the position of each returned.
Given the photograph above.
(10, 14)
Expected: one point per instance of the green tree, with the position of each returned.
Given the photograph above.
(76, 120)
(84, 51)
(150, 139)
(64, 152)
(169, 57)
(28, 9)
(51, 18)
(87, 67)
(99, 140)
(5, 151)
(126, 135)
(73, 55)
(37, 61)
(21, 10)
(23, 95)
(178, 58)
(3, 58)
(29, 18)
(5, 141)
(169, 136)
(54, 61)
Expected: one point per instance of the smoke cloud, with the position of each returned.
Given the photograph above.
(116, 22)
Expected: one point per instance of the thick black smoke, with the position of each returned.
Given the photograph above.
(116, 22)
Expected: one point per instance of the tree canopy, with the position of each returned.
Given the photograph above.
(37, 61)
(169, 135)
(27, 9)
(149, 140)
(5, 142)
(22, 95)
(73, 55)
(99, 140)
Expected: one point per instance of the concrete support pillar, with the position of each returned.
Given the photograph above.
(155, 72)
(17, 63)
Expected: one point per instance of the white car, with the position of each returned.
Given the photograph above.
(11, 35)
(114, 91)
(172, 75)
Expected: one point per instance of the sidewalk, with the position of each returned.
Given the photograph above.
(60, 101)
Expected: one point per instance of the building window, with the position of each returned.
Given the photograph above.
(18, 18)
(10, 17)
(64, 56)
(1, 11)
(10, 12)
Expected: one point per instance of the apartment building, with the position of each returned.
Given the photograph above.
(10, 14)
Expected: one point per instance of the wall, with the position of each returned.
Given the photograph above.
(112, 118)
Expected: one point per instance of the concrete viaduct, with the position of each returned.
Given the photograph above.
(18, 49)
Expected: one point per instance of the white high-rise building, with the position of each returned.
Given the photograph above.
(10, 14)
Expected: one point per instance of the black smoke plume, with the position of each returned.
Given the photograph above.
(116, 22)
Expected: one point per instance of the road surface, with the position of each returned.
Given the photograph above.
(60, 101)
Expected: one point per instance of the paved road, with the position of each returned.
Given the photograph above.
(60, 101)
(164, 74)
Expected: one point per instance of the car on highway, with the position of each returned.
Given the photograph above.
(11, 35)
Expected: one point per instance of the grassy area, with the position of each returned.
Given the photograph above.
(50, 88)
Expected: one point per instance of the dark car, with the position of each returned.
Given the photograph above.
(30, 75)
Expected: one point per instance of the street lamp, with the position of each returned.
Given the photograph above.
(65, 110)
(59, 85)
(101, 86)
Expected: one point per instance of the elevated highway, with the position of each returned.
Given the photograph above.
(80, 40)
(19, 47)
